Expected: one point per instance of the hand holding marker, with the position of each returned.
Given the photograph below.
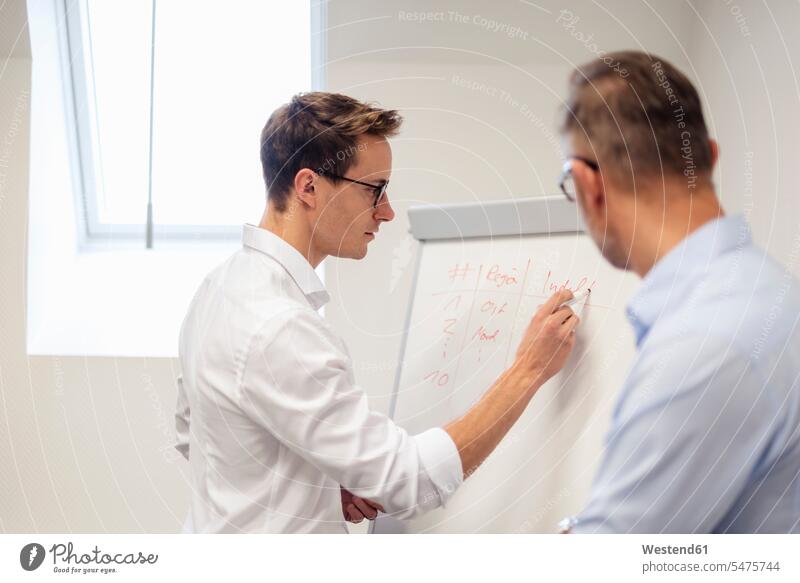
(577, 298)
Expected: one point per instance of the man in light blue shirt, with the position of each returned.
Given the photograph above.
(705, 434)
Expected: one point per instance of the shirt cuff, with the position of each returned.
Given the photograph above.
(440, 459)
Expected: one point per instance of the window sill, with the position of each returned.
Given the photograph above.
(119, 302)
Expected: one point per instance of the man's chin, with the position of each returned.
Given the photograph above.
(351, 254)
(618, 260)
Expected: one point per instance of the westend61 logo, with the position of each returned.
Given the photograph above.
(32, 556)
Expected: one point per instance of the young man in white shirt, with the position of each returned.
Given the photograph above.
(278, 435)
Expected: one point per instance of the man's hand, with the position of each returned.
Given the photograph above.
(549, 338)
(541, 354)
(355, 509)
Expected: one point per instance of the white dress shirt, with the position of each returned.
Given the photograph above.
(269, 414)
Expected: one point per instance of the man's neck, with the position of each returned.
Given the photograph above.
(659, 228)
(291, 231)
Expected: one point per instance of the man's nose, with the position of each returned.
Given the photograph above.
(384, 210)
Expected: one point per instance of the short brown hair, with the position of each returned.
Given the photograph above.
(642, 117)
(319, 131)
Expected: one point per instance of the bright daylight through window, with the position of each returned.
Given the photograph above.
(210, 74)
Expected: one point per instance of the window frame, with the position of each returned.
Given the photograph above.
(82, 130)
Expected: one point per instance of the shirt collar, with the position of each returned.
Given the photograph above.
(291, 260)
(665, 285)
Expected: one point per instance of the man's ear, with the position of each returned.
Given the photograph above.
(714, 152)
(304, 187)
(589, 186)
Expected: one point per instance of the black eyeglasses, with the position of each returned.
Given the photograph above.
(567, 183)
(379, 190)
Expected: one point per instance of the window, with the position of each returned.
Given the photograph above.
(217, 71)
(169, 98)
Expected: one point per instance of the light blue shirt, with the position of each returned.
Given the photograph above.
(705, 434)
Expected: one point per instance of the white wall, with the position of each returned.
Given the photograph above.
(747, 56)
(84, 442)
